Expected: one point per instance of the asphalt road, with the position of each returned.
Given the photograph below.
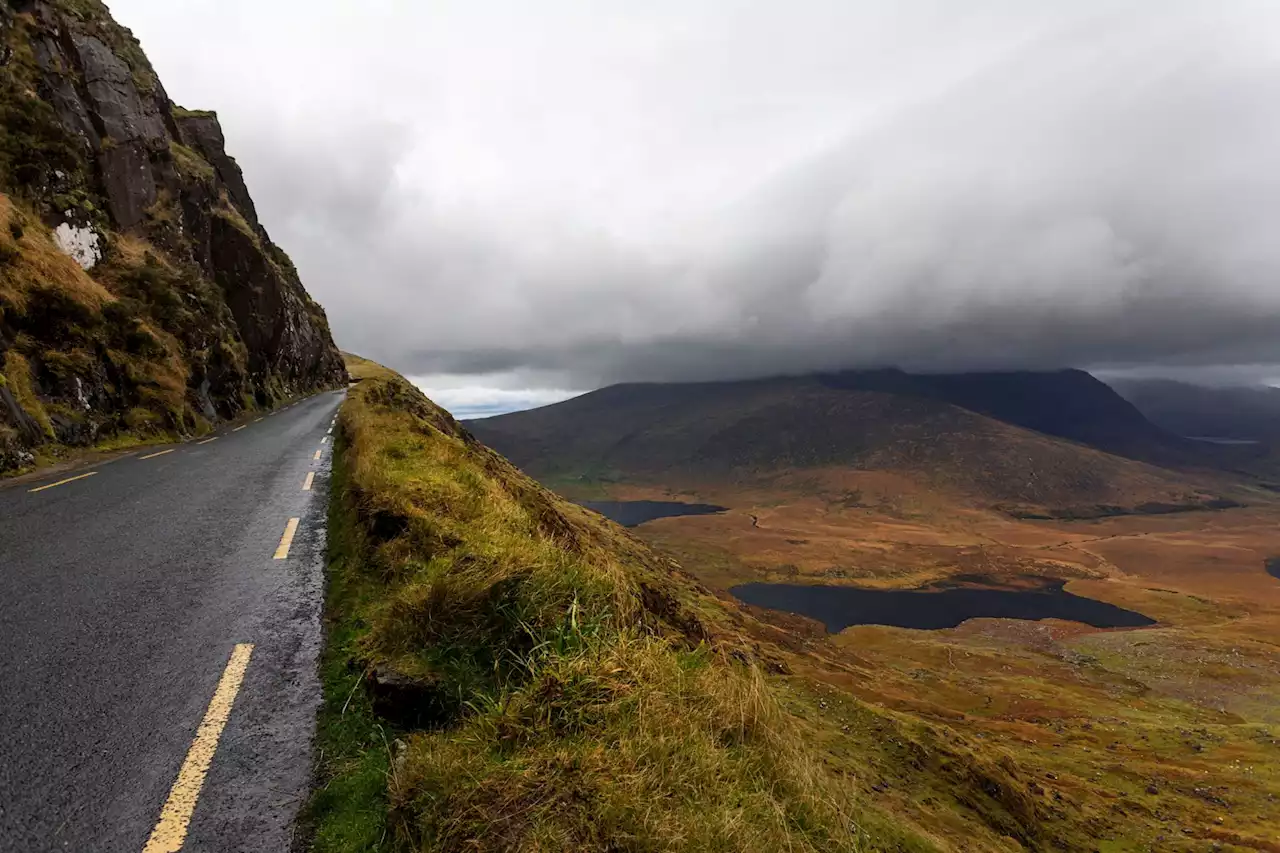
(123, 596)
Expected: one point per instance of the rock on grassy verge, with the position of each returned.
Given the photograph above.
(507, 671)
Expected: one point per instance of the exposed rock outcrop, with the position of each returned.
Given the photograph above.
(139, 291)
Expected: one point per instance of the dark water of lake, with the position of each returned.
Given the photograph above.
(1228, 442)
(931, 608)
(1273, 567)
(633, 513)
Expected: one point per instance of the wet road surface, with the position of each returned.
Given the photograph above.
(158, 643)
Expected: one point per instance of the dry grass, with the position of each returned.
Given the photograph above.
(117, 332)
(567, 689)
(17, 378)
(1156, 739)
(32, 266)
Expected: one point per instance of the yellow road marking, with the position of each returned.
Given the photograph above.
(317, 454)
(171, 830)
(257, 420)
(207, 440)
(311, 478)
(68, 480)
(154, 455)
(242, 426)
(285, 541)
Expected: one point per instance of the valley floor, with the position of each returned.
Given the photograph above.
(1162, 738)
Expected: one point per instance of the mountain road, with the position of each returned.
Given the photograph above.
(160, 624)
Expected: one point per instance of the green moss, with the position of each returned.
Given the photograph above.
(142, 420)
(348, 813)
(17, 372)
(118, 38)
(183, 112)
(231, 214)
(67, 365)
(33, 143)
(190, 164)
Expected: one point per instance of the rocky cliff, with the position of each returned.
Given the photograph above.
(139, 293)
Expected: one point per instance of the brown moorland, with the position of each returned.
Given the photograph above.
(603, 724)
(1163, 738)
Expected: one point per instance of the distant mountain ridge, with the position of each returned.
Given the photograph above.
(1244, 413)
(1069, 404)
(1008, 437)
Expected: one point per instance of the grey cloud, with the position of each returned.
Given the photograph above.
(601, 195)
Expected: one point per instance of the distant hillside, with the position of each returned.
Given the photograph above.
(884, 420)
(1068, 404)
(139, 294)
(1249, 413)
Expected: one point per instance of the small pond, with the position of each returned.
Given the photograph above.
(633, 513)
(1273, 567)
(934, 607)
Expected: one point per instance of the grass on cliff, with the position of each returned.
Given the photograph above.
(118, 326)
(32, 267)
(506, 671)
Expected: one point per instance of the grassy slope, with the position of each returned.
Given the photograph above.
(507, 671)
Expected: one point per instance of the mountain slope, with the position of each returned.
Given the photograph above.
(688, 432)
(139, 294)
(1069, 404)
(1247, 413)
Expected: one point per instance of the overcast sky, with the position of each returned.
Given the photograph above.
(540, 197)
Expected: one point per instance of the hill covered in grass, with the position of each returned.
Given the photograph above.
(683, 434)
(1069, 404)
(508, 671)
(555, 685)
(139, 294)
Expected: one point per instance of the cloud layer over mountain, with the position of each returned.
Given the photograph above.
(565, 194)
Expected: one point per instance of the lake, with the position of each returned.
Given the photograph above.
(633, 513)
(1273, 567)
(934, 607)
(1228, 442)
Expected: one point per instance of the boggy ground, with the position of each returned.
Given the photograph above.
(1165, 738)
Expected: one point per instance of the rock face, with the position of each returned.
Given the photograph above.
(138, 290)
